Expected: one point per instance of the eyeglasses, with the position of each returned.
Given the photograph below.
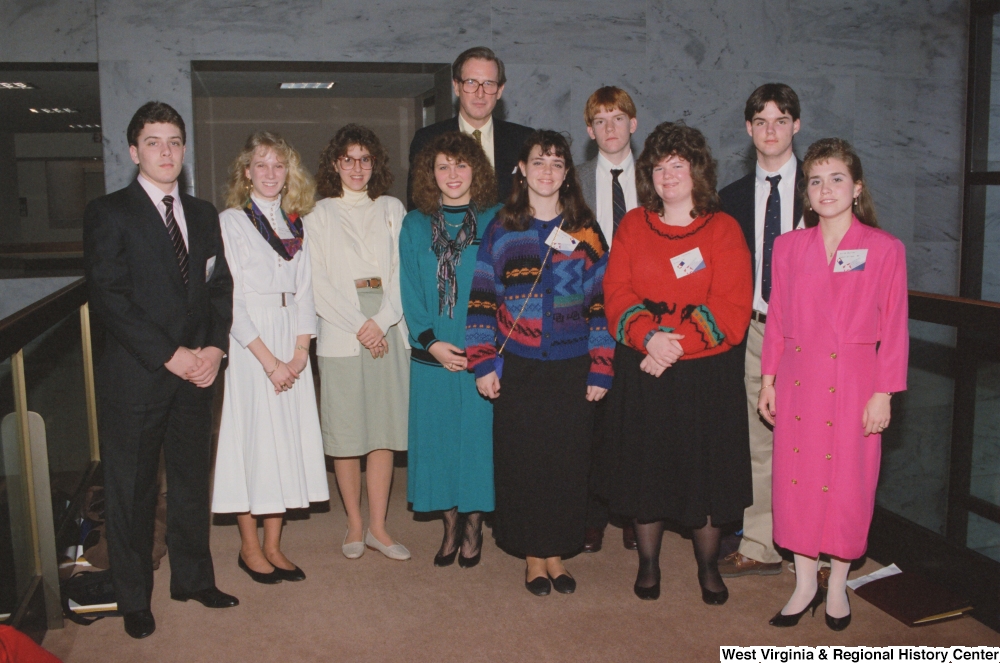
(471, 86)
(347, 163)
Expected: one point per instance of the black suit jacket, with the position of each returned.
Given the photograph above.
(738, 201)
(508, 138)
(138, 294)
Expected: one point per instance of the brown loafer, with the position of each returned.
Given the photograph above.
(628, 537)
(736, 565)
(593, 538)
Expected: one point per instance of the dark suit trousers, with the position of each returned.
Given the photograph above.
(131, 438)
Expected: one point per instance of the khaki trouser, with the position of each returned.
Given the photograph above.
(757, 542)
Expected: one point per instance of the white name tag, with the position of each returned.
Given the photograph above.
(688, 263)
(852, 260)
(209, 268)
(562, 241)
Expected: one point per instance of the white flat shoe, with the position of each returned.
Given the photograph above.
(352, 550)
(396, 551)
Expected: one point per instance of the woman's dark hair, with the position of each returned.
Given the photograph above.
(463, 149)
(836, 148)
(516, 215)
(783, 97)
(328, 182)
(153, 112)
(677, 139)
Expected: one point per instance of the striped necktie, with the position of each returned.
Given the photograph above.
(772, 228)
(617, 199)
(176, 238)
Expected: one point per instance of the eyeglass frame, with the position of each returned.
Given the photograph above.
(479, 84)
(344, 158)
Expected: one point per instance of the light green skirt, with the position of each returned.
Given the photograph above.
(364, 401)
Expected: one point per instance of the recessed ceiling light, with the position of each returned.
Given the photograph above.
(306, 86)
(17, 86)
(53, 111)
(84, 126)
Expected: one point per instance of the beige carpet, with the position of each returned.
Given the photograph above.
(374, 609)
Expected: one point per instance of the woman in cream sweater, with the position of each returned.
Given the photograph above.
(353, 236)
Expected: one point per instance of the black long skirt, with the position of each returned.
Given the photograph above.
(677, 447)
(542, 431)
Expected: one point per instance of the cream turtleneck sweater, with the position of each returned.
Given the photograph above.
(358, 214)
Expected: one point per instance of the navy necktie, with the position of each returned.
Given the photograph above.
(176, 238)
(617, 199)
(772, 228)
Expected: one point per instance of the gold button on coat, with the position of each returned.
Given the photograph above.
(797, 383)
(796, 449)
(825, 489)
(833, 389)
(794, 481)
(798, 418)
(833, 355)
(828, 456)
(829, 423)
(798, 348)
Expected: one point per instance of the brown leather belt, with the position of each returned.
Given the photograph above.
(759, 317)
(368, 283)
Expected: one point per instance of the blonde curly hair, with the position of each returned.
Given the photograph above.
(299, 192)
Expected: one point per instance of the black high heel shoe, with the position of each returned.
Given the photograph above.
(271, 578)
(469, 562)
(791, 620)
(839, 623)
(714, 598)
(647, 593)
(445, 560)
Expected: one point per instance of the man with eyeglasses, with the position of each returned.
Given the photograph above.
(478, 79)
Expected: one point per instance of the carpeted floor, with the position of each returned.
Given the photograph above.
(374, 609)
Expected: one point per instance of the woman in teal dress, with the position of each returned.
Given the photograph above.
(450, 425)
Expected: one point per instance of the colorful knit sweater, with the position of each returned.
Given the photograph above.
(709, 301)
(565, 317)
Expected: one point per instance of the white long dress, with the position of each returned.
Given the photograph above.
(270, 455)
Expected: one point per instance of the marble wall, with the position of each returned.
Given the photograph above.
(887, 75)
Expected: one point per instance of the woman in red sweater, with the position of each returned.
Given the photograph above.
(678, 296)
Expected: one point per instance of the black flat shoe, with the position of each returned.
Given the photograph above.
(293, 575)
(564, 584)
(469, 562)
(839, 623)
(647, 593)
(791, 620)
(139, 624)
(210, 598)
(714, 598)
(540, 586)
(445, 560)
(271, 578)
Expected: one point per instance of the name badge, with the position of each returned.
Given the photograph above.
(688, 263)
(209, 268)
(852, 260)
(562, 241)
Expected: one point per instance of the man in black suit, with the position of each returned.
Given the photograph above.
(478, 78)
(766, 204)
(160, 285)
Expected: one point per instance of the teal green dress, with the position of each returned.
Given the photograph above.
(450, 447)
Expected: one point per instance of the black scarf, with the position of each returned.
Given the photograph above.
(286, 248)
(449, 255)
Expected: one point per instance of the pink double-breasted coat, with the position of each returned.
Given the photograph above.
(820, 343)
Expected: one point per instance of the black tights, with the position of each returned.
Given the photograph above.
(706, 552)
(453, 521)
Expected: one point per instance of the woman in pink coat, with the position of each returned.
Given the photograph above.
(835, 350)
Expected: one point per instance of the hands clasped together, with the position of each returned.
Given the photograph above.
(198, 366)
(373, 338)
(664, 349)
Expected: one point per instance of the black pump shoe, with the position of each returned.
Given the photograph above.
(271, 578)
(714, 598)
(791, 620)
(839, 623)
(647, 593)
(540, 586)
(292, 575)
(469, 562)
(564, 584)
(445, 560)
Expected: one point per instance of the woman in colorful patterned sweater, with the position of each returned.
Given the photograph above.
(678, 293)
(537, 302)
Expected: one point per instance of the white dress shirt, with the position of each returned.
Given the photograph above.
(605, 204)
(786, 190)
(485, 138)
(156, 195)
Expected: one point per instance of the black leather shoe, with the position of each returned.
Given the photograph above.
(564, 584)
(139, 624)
(628, 537)
(714, 598)
(469, 562)
(445, 560)
(210, 598)
(647, 593)
(293, 575)
(838, 623)
(271, 578)
(540, 586)
(593, 539)
(791, 620)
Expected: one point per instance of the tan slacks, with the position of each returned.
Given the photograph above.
(757, 542)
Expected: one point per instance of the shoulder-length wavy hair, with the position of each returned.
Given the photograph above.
(299, 192)
(328, 182)
(463, 149)
(517, 213)
(677, 139)
(837, 148)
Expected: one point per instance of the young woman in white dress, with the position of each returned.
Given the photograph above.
(270, 455)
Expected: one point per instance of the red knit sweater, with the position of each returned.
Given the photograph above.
(709, 304)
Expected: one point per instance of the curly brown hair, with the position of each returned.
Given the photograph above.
(837, 148)
(463, 149)
(328, 182)
(677, 139)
